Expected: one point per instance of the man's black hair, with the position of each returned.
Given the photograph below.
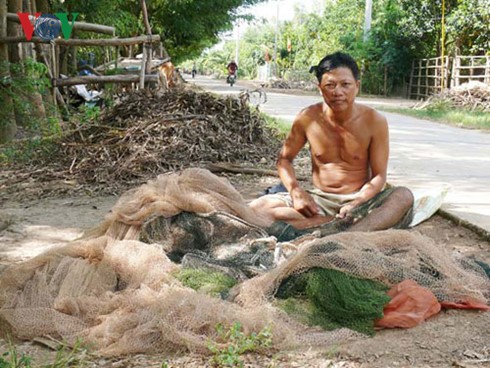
(336, 60)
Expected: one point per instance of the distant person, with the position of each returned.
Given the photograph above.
(194, 70)
(349, 148)
(232, 68)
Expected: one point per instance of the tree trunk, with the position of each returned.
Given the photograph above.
(21, 102)
(73, 61)
(8, 128)
(37, 99)
(42, 6)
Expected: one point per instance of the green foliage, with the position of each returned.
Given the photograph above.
(212, 283)
(27, 78)
(65, 357)
(401, 31)
(88, 114)
(280, 125)
(12, 358)
(468, 27)
(69, 357)
(187, 27)
(27, 151)
(234, 342)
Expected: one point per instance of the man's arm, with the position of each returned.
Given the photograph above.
(378, 161)
(302, 201)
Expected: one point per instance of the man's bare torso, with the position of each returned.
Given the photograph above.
(340, 153)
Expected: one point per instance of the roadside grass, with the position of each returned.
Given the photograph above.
(282, 126)
(457, 117)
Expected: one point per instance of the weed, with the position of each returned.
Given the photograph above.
(11, 358)
(235, 343)
(281, 126)
(88, 113)
(69, 357)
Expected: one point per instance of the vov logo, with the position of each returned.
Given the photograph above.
(47, 26)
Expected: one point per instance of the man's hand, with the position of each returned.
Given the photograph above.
(304, 203)
(346, 210)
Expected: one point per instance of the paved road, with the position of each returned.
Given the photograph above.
(423, 154)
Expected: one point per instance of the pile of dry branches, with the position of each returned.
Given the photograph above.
(148, 133)
(473, 95)
(277, 83)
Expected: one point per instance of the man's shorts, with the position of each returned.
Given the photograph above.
(330, 204)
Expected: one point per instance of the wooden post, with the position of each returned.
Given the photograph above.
(123, 78)
(410, 83)
(419, 78)
(53, 70)
(472, 71)
(147, 46)
(453, 72)
(443, 42)
(458, 64)
(106, 61)
(143, 69)
(447, 71)
(487, 70)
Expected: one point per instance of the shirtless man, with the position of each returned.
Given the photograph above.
(349, 148)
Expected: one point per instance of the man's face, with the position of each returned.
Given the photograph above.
(339, 88)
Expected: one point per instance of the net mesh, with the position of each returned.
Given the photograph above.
(116, 287)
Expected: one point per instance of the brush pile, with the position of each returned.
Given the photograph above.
(148, 133)
(472, 96)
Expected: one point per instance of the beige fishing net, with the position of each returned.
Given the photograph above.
(115, 288)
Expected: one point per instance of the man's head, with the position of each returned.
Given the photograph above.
(338, 80)
(334, 61)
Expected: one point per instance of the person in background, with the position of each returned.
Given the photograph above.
(232, 68)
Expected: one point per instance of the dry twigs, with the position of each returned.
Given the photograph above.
(473, 95)
(148, 133)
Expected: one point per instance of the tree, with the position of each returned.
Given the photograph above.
(468, 28)
(8, 127)
(187, 27)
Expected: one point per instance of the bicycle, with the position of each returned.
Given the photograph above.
(255, 97)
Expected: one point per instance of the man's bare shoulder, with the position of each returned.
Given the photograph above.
(310, 113)
(371, 117)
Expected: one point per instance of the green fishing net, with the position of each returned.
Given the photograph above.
(332, 299)
(211, 283)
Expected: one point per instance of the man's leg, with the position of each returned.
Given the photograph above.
(278, 210)
(388, 214)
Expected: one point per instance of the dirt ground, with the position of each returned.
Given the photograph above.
(455, 338)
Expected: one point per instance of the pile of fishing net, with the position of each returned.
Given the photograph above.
(124, 286)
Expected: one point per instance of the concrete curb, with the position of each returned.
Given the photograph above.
(485, 234)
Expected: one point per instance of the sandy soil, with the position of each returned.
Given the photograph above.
(452, 338)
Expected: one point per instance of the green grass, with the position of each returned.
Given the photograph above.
(66, 356)
(458, 117)
(281, 125)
